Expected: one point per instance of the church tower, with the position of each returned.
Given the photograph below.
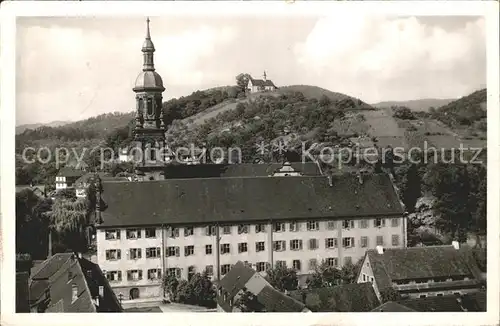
(149, 131)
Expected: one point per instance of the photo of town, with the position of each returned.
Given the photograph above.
(251, 164)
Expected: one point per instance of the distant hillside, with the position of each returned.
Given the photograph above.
(415, 105)
(466, 110)
(21, 128)
(312, 92)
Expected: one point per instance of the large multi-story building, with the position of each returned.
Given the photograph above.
(184, 226)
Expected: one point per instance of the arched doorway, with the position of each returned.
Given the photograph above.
(134, 293)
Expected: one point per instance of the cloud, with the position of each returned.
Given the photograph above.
(380, 58)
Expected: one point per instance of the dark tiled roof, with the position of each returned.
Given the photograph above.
(229, 200)
(70, 172)
(234, 281)
(276, 301)
(417, 263)
(184, 171)
(392, 307)
(356, 297)
(450, 303)
(87, 178)
(50, 266)
(261, 82)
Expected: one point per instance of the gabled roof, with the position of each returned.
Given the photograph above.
(418, 263)
(230, 200)
(70, 172)
(355, 297)
(449, 303)
(261, 82)
(242, 277)
(183, 171)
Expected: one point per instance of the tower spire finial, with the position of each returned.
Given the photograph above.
(148, 36)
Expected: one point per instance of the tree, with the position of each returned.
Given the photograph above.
(403, 113)
(324, 101)
(409, 184)
(324, 276)
(389, 294)
(247, 302)
(242, 80)
(282, 278)
(199, 290)
(349, 271)
(170, 283)
(67, 193)
(70, 220)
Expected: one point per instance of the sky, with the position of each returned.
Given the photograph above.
(70, 69)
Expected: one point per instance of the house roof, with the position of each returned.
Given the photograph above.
(70, 172)
(261, 82)
(449, 303)
(240, 276)
(355, 297)
(417, 263)
(229, 200)
(391, 306)
(183, 171)
(58, 275)
(87, 178)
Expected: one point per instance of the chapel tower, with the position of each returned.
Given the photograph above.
(149, 131)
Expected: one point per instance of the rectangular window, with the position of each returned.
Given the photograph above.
(281, 264)
(296, 264)
(347, 242)
(364, 242)
(260, 266)
(209, 270)
(133, 234)
(242, 247)
(347, 260)
(363, 224)
(153, 252)
(379, 222)
(154, 274)
(113, 234)
(225, 248)
(242, 229)
(348, 224)
(260, 246)
(260, 228)
(364, 277)
(188, 231)
(173, 251)
(113, 254)
(295, 244)
(210, 230)
(331, 243)
(226, 229)
(134, 275)
(313, 263)
(279, 227)
(380, 240)
(395, 240)
(395, 222)
(175, 271)
(330, 225)
(312, 226)
(114, 276)
(173, 232)
(293, 226)
(188, 250)
(208, 249)
(150, 232)
(279, 245)
(135, 253)
(313, 244)
(224, 269)
(331, 262)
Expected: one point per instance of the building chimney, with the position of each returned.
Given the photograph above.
(380, 250)
(74, 293)
(79, 255)
(455, 245)
(101, 291)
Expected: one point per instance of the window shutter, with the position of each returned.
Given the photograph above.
(118, 234)
(383, 222)
(140, 274)
(177, 251)
(139, 253)
(119, 254)
(300, 244)
(326, 243)
(268, 266)
(176, 232)
(353, 242)
(107, 254)
(158, 252)
(284, 245)
(119, 275)
(158, 271)
(335, 242)
(207, 230)
(139, 232)
(375, 223)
